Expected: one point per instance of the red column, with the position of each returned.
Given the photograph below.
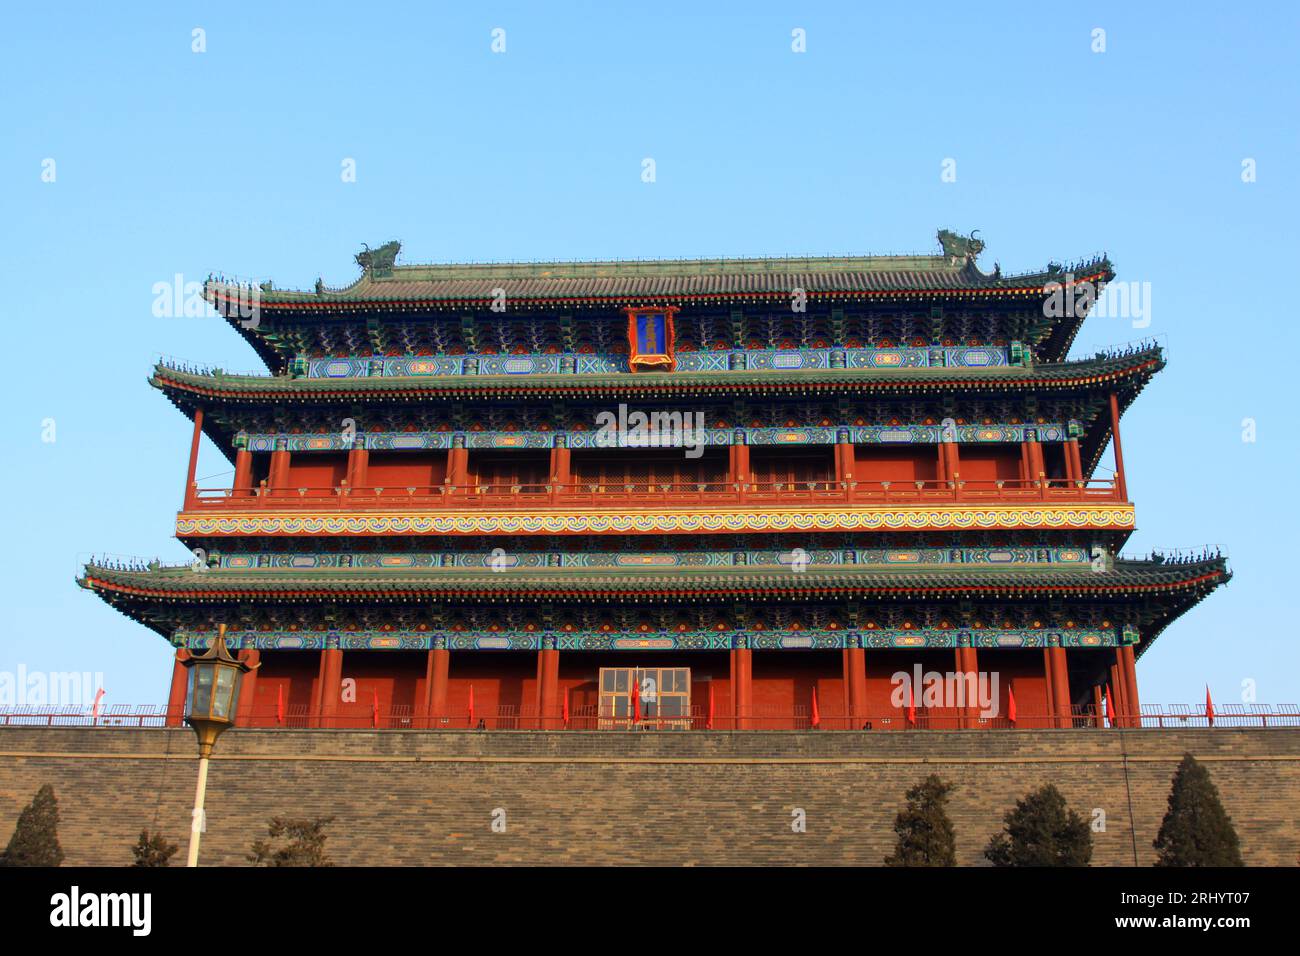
(278, 474)
(740, 464)
(1121, 485)
(331, 690)
(439, 668)
(560, 473)
(1059, 678)
(858, 683)
(458, 467)
(1047, 683)
(358, 464)
(176, 696)
(742, 689)
(1073, 461)
(846, 681)
(1128, 661)
(967, 663)
(1037, 469)
(844, 461)
(952, 463)
(243, 484)
(550, 697)
(1118, 692)
(194, 457)
(1098, 708)
(247, 715)
(733, 673)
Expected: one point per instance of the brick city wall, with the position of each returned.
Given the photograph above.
(594, 798)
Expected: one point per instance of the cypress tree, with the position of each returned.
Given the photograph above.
(153, 850)
(1042, 831)
(305, 847)
(1196, 831)
(925, 836)
(36, 837)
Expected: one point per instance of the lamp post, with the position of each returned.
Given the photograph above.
(210, 703)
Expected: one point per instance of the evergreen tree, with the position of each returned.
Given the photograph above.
(36, 837)
(1042, 831)
(1196, 831)
(925, 836)
(305, 847)
(153, 850)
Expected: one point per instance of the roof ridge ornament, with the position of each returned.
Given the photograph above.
(956, 246)
(378, 263)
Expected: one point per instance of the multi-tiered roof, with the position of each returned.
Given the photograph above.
(881, 351)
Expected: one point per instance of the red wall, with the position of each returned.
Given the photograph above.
(318, 470)
(783, 685)
(989, 463)
(895, 463)
(293, 672)
(395, 677)
(405, 469)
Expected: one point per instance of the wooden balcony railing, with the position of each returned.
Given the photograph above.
(633, 495)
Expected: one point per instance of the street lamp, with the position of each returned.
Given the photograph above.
(210, 704)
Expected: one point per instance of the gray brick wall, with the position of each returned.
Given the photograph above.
(702, 798)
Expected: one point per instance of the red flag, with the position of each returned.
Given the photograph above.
(911, 703)
(565, 714)
(1110, 708)
(1011, 704)
(279, 704)
(636, 699)
(471, 705)
(1209, 706)
(94, 711)
(374, 706)
(709, 725)
(816, 714)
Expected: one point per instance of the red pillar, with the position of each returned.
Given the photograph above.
(844, 461)
(194, 457)
(247, 714)
(967, 663)
(1073, 461)
(176, 696)
(742, 690)
(549, 697)
(740, 464)
(436, 673)
(846, 681)
(243, 484)
(358, 464)
(560, 471)
(278, 474)
(1098, 707)
(1059, 679)
(458, 468)
(858, 686)
(1118, 692)
(1037, 469)
(1128, 661)
(331, 689)
(1121, 485)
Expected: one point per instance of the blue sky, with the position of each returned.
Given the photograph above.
(169, 161)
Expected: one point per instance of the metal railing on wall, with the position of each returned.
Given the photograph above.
(506, 717)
